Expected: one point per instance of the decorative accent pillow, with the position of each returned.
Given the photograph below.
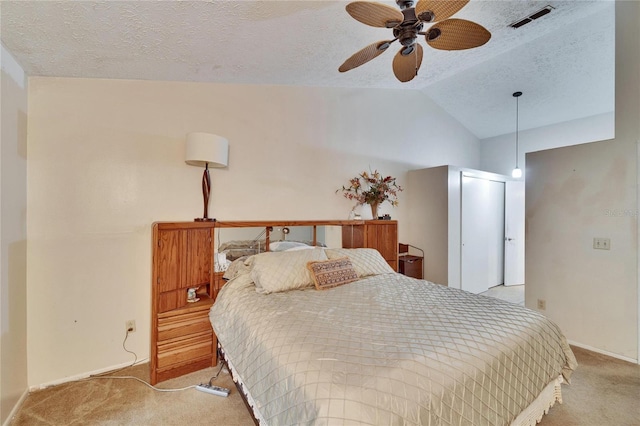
(274, 272)
(332, 273)
(366, 261)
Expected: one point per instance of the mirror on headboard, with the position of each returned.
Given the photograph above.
(239, 239)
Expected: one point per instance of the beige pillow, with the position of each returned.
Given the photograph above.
(332, 273)
(274, 272)
(366, 261)
(236, 268)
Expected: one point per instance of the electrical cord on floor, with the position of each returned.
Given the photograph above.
(135, 360)
(222, 364)
(143, 382)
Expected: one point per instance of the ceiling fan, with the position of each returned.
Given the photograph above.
(446, 33)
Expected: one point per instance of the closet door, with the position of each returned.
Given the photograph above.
(482, 234)
(514, 233)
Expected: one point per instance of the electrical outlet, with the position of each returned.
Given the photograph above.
(602, 243)
(542, 304)
(130, 326)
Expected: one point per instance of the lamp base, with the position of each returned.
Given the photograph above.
(204, 219)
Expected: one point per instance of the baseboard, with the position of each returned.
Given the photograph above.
(600, 351)
(15, 408)
(83, 375)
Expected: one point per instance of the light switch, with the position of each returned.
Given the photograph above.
(602, 243)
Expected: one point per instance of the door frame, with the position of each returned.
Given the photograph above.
(455, 175)
(482, 247)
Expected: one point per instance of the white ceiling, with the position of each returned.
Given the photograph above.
(563, 62)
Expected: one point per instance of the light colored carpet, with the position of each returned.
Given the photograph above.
(129, 402)
(604, 391)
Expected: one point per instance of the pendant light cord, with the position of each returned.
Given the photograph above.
(517, 95)
(517, 131)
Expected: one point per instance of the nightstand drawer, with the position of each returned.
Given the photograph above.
(186, 350)
(183, 325)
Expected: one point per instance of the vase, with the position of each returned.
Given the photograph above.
(374, 210)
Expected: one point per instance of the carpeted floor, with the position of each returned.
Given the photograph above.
(129, 402)
(604, 391)
(512, 293)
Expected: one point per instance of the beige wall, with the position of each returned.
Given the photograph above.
(428, 203)
(576, 193)
(106, 160)
(13, 235)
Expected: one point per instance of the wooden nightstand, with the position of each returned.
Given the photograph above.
(182, 339)
(411, 266)
(186, 341)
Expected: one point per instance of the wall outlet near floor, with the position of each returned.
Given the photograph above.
(130, 326)
(542, 304)
(602, 243)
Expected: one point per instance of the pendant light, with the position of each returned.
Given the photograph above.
(517, 173)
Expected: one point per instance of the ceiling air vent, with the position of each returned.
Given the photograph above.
(538, 14)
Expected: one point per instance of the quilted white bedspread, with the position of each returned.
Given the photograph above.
(387, 350)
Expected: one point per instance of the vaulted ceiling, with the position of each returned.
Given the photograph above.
(563, 62)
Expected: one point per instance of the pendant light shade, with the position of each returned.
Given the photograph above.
(517, 173)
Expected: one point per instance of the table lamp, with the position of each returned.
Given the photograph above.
(206, 149)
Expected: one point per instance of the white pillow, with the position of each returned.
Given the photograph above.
(366, 261)
(274, 272)
(288, 245)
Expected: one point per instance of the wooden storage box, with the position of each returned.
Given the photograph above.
(411, 266)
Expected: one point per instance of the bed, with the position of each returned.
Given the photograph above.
(381, 348)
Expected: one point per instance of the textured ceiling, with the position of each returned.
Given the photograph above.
(563, 62)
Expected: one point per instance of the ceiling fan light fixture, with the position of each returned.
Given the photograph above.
(433, 34)
(427, 16)
(408, 40)
(404, 4)
(408, 50)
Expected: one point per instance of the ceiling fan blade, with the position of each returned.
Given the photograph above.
(365, 55)
(405, 67)
(375, 14)
(457, 34)
(440, 9)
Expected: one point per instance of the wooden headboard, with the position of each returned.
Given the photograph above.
(182, 340)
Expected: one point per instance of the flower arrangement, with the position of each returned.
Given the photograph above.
(373, 189)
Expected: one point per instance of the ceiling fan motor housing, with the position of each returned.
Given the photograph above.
(407, 31)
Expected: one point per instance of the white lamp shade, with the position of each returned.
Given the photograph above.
(205, 148)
